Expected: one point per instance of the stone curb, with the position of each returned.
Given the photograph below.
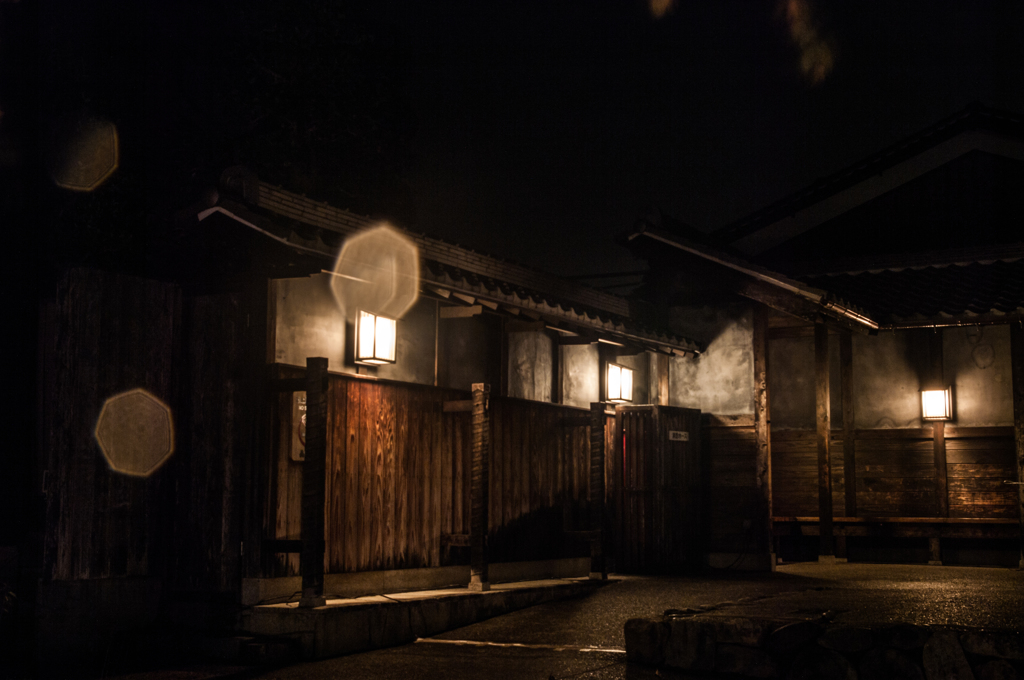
(716, 644)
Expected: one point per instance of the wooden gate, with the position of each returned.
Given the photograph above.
(660, 520)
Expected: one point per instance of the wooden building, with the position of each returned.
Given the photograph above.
(210, 344)
(897, 275)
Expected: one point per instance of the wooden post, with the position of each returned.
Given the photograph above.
(597, 422)
(311, 560)
(479, 578)
(1017, 370)
(849, 445)
(762, 433)
(935, 379)
(826, 550)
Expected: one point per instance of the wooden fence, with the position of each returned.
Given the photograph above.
(398, 478)
(896, 474)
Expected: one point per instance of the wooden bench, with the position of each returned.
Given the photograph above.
(932, 528)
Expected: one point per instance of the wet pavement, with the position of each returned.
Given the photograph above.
(583, 637)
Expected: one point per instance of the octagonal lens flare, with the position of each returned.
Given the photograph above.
(135, 432)
(88, 156)
(377, 271)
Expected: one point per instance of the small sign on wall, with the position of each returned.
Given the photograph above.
(299, 426)
(678, 436)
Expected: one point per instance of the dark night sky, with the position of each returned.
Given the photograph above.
(544, 128)
(539, 129)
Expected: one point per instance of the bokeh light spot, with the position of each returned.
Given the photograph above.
(660, 8)
(135, 432)
(816, 54)
(377, 271)
(87, 157)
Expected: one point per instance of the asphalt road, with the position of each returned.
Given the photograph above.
(583, 637)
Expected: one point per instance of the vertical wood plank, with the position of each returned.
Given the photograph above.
(407, 406)
(353, 494)
(314, 483)
(386, 443)
(849, 445)
(448, 470)
(762, 434)
(438, 477)
(479, 577)
(1017, 371)
(941, 483)
(367, 525)
(824, 423)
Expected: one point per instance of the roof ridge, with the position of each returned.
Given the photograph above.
(975, 116)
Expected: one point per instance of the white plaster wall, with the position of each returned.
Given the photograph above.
(580, 384)
(721, 379)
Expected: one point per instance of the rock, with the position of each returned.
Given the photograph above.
(645, 641)
(818, 663)
(944, 659)
(1001, 645)
(690, 645)
(753, 663)
(681, 612)
(904, 636)
(847, 639)
(746, 631)
(792, 636)
(997, 670)
(883, 664)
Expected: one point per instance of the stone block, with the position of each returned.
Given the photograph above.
(746, 631)
(883, 664)
(848, 639)
(905, 636)
(645, 641)
(746, 661)
(997, 669)
(1000, 645)
(944, 659)
(818, 663)
(792, 636)
(690, 645)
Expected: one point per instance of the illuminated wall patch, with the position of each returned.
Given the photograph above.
(135, 432)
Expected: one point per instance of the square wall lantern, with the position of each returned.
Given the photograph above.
(937, 404)
(620, 384)
(376, 337)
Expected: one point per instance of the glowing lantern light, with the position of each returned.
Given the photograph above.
(937, 404)
(376, 338)
(135, 433)
(620, 384)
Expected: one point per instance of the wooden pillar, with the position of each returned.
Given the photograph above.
(762, 434)
(849, 445)
(311, 560)
(826, 550)
(597, 444)
(934, 551)
(935, 379)
(479, 489)
(1017, 369)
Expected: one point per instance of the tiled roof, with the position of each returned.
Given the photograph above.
(319, 228)
(953, 292)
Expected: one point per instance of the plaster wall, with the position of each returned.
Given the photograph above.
(791, 383)
(309, 323)
(887, 377)
(470, 352)
(976, 361)
(721, 379)
(529, 365)
(580, 381)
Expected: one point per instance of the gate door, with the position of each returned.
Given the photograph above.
(660, 516)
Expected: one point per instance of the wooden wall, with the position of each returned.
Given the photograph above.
(732, 497)
(398, 470)
(896, 474)
(103, 334)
